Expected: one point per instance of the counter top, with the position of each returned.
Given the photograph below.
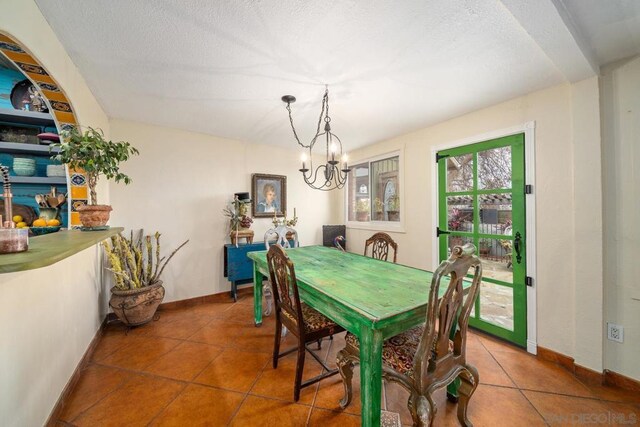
(51, 248)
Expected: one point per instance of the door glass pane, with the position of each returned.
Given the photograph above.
(460, 173)
(359, 206)
(496, 259)
(460, 213)
(495, 213)
(385, 191)
(494, 168)
(496, 304)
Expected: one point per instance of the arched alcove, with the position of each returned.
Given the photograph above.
(60, 108)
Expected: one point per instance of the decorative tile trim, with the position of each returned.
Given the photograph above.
(77, 203)
(61, 108)
(78, 179)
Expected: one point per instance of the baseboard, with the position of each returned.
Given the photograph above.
(618, 380)
(559, 358)
(606, 377)
(589, 375)
(75, 377)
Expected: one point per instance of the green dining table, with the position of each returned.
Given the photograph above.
(372, 299)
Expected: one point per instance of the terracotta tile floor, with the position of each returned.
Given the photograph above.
(208, 365)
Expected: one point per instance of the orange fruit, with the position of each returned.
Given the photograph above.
(21, 224)
(40, 222)
(53, 223)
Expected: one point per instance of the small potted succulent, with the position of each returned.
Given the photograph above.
(393, 208)
(362, 210)
(138, 290)
(90, 152)
(378, 209)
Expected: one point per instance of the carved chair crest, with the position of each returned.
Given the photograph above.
(279, 234)
(380, 244)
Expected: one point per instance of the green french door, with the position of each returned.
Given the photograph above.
(481, 200)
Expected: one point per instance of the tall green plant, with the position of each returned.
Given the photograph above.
(134, 262)
(91, 152)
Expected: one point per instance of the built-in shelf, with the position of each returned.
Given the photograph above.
(21, 148)
(26, 117)
(50, 180)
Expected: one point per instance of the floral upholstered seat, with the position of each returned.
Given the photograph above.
(398, 351)
(313, 320)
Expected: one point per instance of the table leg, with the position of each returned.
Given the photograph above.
(452, 388)
(257, 295)
(370, 376)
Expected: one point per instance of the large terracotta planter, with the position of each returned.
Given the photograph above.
(136, 306)
(94, 215)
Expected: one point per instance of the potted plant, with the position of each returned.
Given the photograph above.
(138, 290)
(362, 210)
(485, 247)
(393, 208)
(91, 152)
(378, 209)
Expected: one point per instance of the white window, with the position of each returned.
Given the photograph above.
(374, 193)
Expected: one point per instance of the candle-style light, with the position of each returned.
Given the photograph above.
(328, 175)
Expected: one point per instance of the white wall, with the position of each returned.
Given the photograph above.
(552, 110)
(587, 216)
(48, 317)
(182, 181)
(621, 160)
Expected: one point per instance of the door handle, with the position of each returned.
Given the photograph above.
(517, 245)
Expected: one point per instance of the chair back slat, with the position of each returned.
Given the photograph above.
(284, 283)
(380, 244)
(453, 308)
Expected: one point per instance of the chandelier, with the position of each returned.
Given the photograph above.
(332, 173)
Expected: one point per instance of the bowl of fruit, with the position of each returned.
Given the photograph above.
(40, 226)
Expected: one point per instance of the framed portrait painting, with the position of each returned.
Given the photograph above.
(269, 195)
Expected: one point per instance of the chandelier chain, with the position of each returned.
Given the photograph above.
(325, 109)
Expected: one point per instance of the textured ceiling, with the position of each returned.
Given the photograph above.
(610, 28)
(220, 67)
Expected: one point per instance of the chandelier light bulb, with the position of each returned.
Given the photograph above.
(303, 157)
(334, 148)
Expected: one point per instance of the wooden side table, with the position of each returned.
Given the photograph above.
(241, 234)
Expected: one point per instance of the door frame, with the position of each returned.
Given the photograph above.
(528, 129)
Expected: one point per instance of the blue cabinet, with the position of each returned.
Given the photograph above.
(238, 268)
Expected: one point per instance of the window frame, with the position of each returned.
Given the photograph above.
(392, 226)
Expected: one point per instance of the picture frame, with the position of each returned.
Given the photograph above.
(268, 195)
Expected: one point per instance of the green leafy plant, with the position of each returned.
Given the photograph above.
(378, 205)
(91, 152)
(362, 205)
(132, 260)
(394, 203)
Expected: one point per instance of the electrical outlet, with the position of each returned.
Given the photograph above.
(615, 332)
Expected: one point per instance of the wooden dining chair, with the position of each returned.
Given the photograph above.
(432, 355)
(380, 243)
(280, 236)
(307, 324)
